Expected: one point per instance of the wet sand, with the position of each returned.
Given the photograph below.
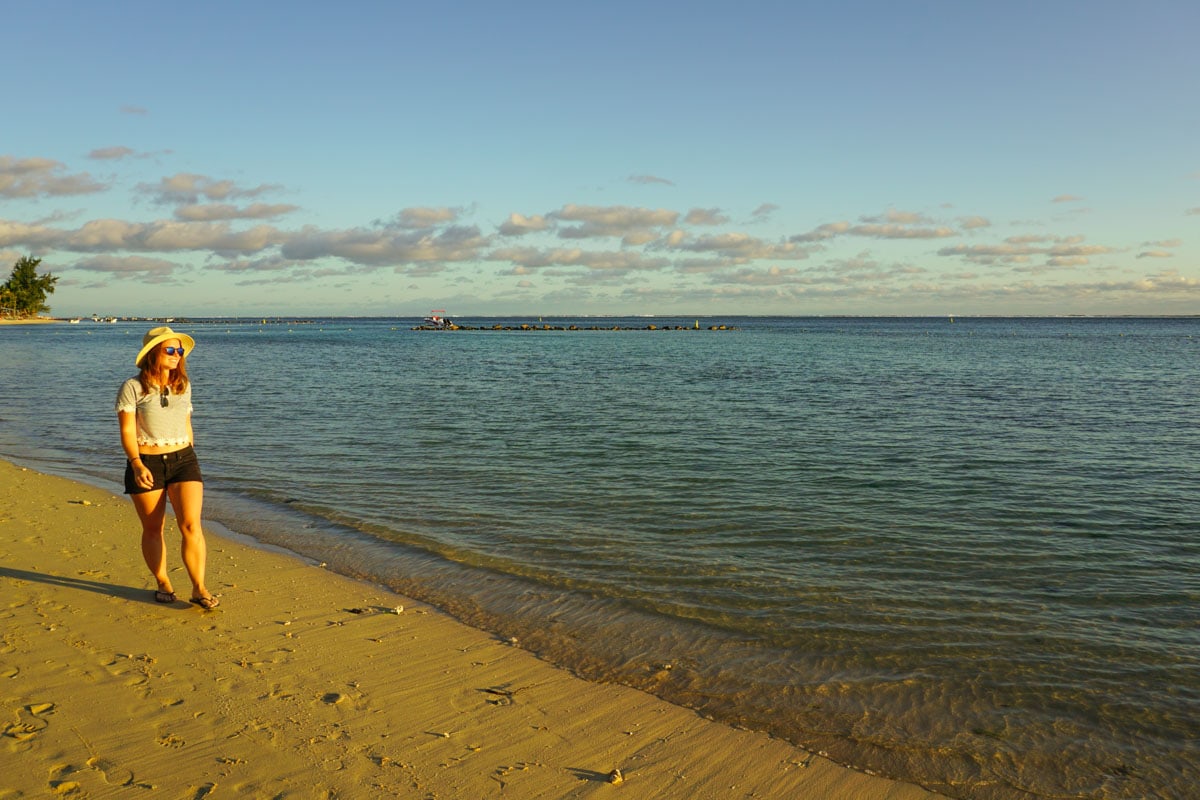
(304, 684)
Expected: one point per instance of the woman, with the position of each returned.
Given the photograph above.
(155, 413)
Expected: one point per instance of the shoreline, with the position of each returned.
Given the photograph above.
(33, 321)
(304, 679)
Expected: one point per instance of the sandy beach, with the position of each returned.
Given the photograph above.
(304, 683)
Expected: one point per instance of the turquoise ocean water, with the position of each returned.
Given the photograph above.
(960, 553)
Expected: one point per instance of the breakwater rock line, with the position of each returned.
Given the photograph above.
(530, 327)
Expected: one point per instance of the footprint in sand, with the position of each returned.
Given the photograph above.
(23, 730)
(113, 774)
(137, 680)
(170, 740)
(59, 780)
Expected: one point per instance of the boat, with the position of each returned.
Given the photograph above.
(437, 319)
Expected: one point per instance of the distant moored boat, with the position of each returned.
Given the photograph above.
(437, 319)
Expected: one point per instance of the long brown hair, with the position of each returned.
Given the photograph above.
(177, 380)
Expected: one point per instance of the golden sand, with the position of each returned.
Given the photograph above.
(308, 684)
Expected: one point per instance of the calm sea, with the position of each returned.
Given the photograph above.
(964, 553)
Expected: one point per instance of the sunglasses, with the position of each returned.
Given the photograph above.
(163, 395)
(173, 351)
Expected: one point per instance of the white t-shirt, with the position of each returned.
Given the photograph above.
(158, 425)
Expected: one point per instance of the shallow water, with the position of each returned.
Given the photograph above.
(962, 554)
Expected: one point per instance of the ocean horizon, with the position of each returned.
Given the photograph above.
(415, 320)
(955, 550)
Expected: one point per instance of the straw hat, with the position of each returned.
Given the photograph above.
(156, 336)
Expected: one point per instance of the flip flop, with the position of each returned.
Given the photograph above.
(207, 603)
(164, 597)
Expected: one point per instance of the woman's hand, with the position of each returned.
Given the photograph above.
(141, 474)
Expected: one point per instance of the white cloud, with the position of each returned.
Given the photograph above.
(111, 235)
(188, 188)
(141, 268)
(893, 225)
(876, 231)
(649, 179)
(1067, 261)
(621, 260)
(387, 247)
(266, 264)
(858, 264)
(415, 218)
(601, 221)
(210, 212)
(764, 212)
(1073, 248)
(893, 216)
(110, 153)
(519, 225)
(371, 247)
(701, 266)
(25, 235)
(974, 223)
(1169, 280)
(705, 216)
(739, 247)
(38, 177)
(639, 238)
(1162, 284)
(822, 232)
(772, 276)
(1021, 250)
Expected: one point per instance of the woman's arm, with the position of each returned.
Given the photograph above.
(128, 422)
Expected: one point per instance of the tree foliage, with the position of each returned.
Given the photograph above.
(24, 294)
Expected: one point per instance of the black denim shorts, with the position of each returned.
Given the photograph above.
(167, 468)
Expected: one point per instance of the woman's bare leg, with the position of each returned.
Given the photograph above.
(187, 499)
(152, 511)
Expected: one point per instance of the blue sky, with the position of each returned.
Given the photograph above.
(386, 158)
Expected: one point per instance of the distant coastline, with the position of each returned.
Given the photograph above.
(29, 321)
(542, 318)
